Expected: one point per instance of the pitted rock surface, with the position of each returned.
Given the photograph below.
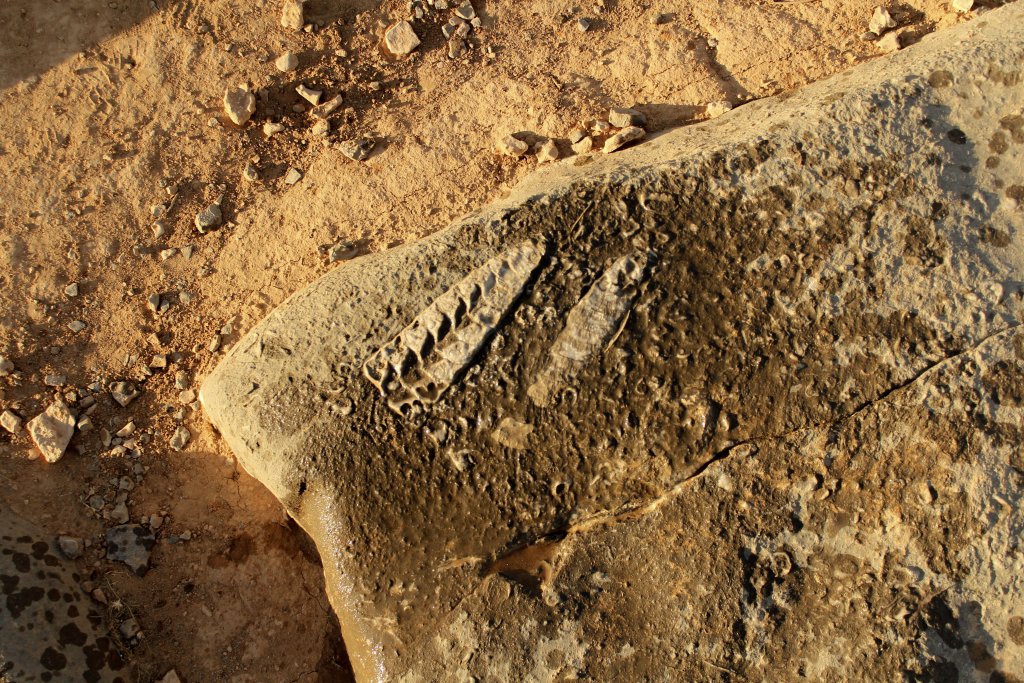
(752, 414)
(49, 629)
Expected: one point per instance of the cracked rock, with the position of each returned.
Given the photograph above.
(754, 368)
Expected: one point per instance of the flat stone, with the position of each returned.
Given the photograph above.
(583, 145)
(181, 438)
(293, 176)
(466, 11)
(43, 637)
(401, 39)
(71, 290)
(76, 326)
(623, 138)
(287, 62)
(547, 151)
(963, 6)
(130, 544)
(308, 94)
(620, 117)
(209, 217)
(51, 431)
(881, 21)
(240, 104)
(292, 15)
(763, 371)
(10, 421)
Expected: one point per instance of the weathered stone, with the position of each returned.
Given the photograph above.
(308, 94)
(70, 547)
(881, 21)
(49, 628)
(716, 109)
(547, 151)
(324, 109)
(890, 42)
(357, 149)
(293, 176)
(131, 544)
(287, 62)
(51, 431)
(623, 138)
(210, 217)
(963, 6)
(10, 421)
(292, 15)
(124, 393)
(620, 117)
(181, 438)
(401, 39)
(239, 103)
(794, 420)
(513, 146)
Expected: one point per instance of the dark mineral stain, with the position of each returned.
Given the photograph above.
(21, 562)
(940, 79)
(957, 136)
(70, 634)
(53, 660)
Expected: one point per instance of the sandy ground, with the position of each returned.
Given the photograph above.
(111, 113)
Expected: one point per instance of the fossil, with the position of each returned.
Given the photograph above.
(426, 357)
(590, 325)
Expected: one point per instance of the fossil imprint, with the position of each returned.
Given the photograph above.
(419, 364)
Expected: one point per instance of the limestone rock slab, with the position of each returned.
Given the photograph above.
(679, 450)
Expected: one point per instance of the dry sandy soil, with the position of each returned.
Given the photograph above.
(109, 109)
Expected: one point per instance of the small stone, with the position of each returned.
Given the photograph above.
(270, 128)
(620, 117)
(127, 430)
(456, 47)
(583, 145)
(401, 39)
(293, 176)
(181, 380)
(890, 42)
(548, 151)
(130, 628)
(308, 94)
(181, 438)
(76, 326)
(881, 21)
(322, 110)
(576, 135)
(6, 366)
(70, 547)
(321, 129)
(131, 544)
(84, 423)
(159, 361)
(240, 104)
(601, 127)
(210, 217)
(448, 30)
(465, 11)
(513, 146)
(583, 24)
(187, 396)
(358, 149)
(71, 290)
(475, 22)
(119, 514)
(963, 6)
(292, 15)
(10, 421)
(167, 253)
(160, 229)
(55, 380)
(124, 393)
(153, 302)
(287, 62)
(716, 109)
(250, 173)
(170, 677)
(51, 431)
(623, 137)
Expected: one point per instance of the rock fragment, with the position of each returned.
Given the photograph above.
(71, 290)
(716, 109)
(890, 42)
(357, 149)
(181, 438)
(71, 547)
(963, 6)
(401, 39)
(622, 138)
(209, 217)
(270, 129)
(583, 145)
(292, 15)
(512, 146)
(293, 176)
(10, 421)
(76, 326)
(547, 151)
(240, 104)
(51, 431)
(881, 21)
(131, 544)
(583, 24)
(321, 129)
(250, 173)
(620, 117)
(466, 11)
(6, 366)
(308, 94)
(124, 393)
(324, 109)
(287, 62)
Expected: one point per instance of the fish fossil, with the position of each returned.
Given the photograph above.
(426, 357)
(590, 325)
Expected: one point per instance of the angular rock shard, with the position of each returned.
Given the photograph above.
(798, 428)
(423, 361)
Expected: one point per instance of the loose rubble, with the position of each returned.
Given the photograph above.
(124, 393)
(881, 21)
(210, 217)
(240, 104)
(716, 109)
(513, 146)
(547, 151)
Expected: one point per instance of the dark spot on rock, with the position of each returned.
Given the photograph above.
(70, 634)
(982, 658)
(53, 660)
(73, 611)
(90, 676)
(1016, 192)
(1015, 629)
(998, 144)
(941, 671)
(9, 583)
(19, 601)
(39, 549)
(939, 617)
(94, 659)
(940, 79)
(1015, 124)
(21, 562)
(53, 594)
(957, 136)
(50, 561)
(991, 162)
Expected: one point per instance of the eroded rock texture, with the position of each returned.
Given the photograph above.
(754, 413)
(49, 629)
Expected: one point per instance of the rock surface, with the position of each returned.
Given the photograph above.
(49, 629)
(787, 407)
(240, 104)
(401, 39)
